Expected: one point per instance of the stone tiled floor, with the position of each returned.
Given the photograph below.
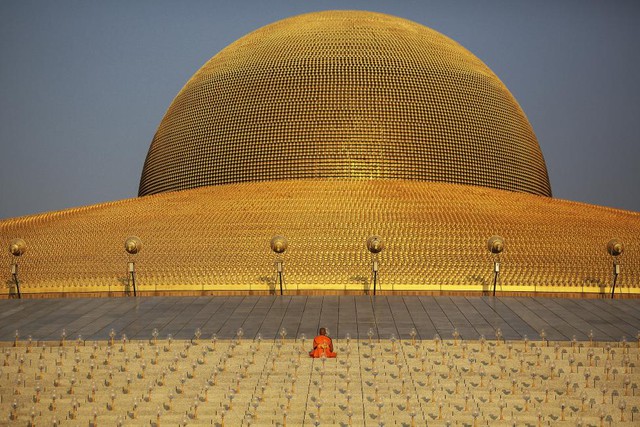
(561, 319)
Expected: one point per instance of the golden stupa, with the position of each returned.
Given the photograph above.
(328, 128)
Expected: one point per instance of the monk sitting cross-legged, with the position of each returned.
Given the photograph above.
(322, 344)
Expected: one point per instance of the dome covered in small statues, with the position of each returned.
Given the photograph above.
(347, 95)
(338, 152)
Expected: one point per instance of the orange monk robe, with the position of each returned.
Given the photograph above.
(322, 344)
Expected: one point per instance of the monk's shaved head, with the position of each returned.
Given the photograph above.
(322, 331)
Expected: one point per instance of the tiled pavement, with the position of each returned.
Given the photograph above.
(44, 319)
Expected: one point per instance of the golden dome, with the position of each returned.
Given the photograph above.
(382, 105)
(350, 95)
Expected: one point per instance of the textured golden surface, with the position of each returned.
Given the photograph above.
(217, 238)
(344, 94)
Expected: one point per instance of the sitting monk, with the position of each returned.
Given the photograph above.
(322, 345)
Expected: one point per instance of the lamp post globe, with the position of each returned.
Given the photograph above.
(279, 244)
(17, 247)
(132, 245)
(495, 244)
(375, 244)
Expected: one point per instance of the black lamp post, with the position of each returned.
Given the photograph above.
(375, 246)
(17, 247)
(132, 246)
(615, 248)
(279, 245)
(495, 244)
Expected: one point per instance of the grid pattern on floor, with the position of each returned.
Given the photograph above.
(561, 319)
(370, 383)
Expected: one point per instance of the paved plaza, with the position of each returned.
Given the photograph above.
(120, 372)
(561, 319)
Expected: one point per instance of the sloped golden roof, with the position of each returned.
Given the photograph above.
(217, 239)
(344, 94)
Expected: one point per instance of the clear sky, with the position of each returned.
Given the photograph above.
(84, 84)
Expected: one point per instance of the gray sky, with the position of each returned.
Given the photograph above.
(84, 84)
